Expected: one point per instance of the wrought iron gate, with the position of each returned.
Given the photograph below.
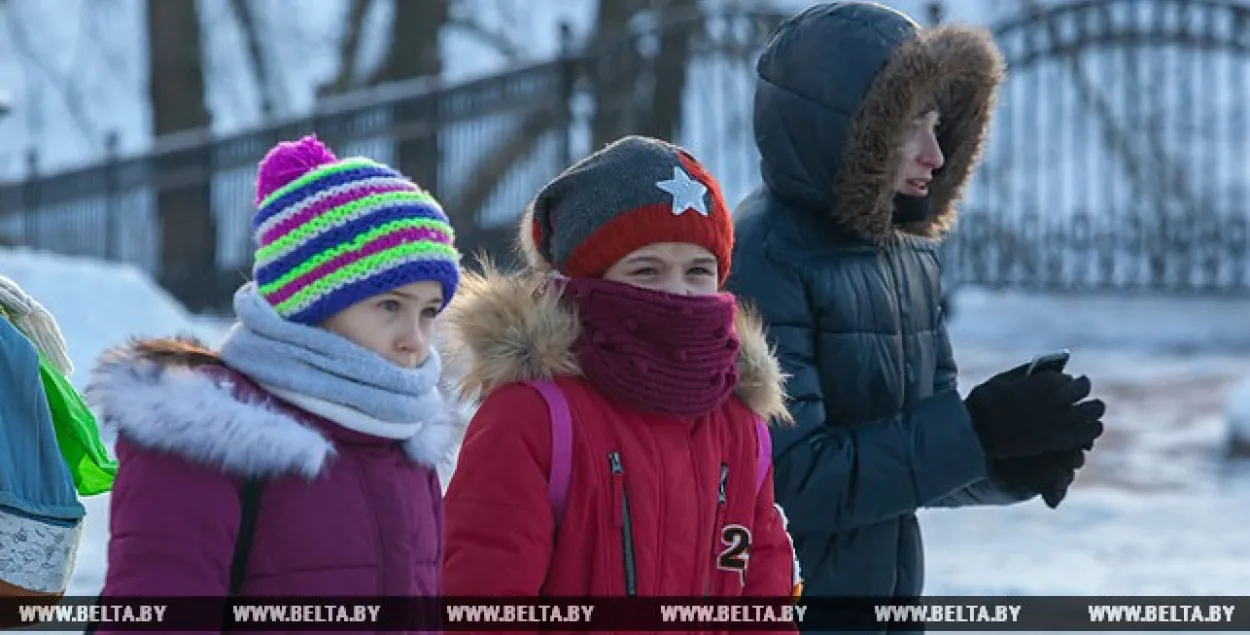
(1118, 158)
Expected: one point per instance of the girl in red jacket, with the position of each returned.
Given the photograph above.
(661, 484)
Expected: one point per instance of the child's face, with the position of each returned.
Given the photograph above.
(398, 325)
(677, 268)
(922, 156)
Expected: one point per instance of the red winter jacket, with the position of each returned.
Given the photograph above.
(687, 538)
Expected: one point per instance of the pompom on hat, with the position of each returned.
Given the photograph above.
(634, 192)
(331, 232)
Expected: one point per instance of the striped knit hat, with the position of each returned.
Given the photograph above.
(330, 232)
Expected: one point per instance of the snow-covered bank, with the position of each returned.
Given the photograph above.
(1099, 542)
(1157, 510)
(98, 305)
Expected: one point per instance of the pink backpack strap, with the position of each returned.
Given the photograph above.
(561, 443)
(764, 457)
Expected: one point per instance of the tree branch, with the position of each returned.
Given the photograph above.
(64, 85)
(413, 47)
(349, 50)
(269, 90)
(494, 39)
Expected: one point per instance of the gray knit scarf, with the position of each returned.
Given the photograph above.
(317, 363)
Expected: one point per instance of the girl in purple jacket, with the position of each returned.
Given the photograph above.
(322, 412)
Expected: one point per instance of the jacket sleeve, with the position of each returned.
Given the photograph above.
(172, 527)
(774, 569)
(984, 491)
(833, 476)
(500, 527)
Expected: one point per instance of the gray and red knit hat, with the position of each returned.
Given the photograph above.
(635, 192)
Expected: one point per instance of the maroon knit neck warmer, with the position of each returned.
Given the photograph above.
(655, 351)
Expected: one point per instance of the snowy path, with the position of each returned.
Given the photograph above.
(1157, 510)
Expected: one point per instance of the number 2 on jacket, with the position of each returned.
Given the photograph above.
(737, 552)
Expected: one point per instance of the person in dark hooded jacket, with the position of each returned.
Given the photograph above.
(868, 127)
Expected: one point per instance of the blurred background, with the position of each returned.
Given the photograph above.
(1110, 215)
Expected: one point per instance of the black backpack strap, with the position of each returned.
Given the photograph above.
(249, 510)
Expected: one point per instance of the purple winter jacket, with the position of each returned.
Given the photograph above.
(342, 513)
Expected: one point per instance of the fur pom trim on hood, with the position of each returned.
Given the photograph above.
(955, 66)
(839, 86)
(176, 396)
(504, 328)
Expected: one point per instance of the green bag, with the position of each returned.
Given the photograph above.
(77, 434)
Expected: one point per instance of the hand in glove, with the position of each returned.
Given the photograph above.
(1049, 474)
(1017, 416)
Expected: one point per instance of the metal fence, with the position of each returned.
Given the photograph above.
(183, 211)
(1114, 163)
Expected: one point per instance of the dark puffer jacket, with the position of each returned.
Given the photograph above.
(852, 302)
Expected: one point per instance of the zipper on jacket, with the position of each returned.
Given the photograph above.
(722, 499)
(621, 516)
(721, 496)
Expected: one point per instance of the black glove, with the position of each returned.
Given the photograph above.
(1049, 474)
(1017, 415)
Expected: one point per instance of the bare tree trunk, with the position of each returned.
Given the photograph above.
(621, 108)
(635, 94)
(176, 91)
(613, 76)
(245, 14)
(662, 114)
(348, 78)
(349, 50)
(415, 52)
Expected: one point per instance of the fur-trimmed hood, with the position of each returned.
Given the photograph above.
(175, 395)
(503, 328)
(838, 86)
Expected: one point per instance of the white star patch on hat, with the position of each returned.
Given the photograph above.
(687, 192)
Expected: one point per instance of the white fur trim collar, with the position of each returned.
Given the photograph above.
(175, 408)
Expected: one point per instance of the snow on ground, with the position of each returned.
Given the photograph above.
(1156, 512)
(1237, 412)
(1148, 324)
(98, 305)
(1165, 367)
(1157, 509)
